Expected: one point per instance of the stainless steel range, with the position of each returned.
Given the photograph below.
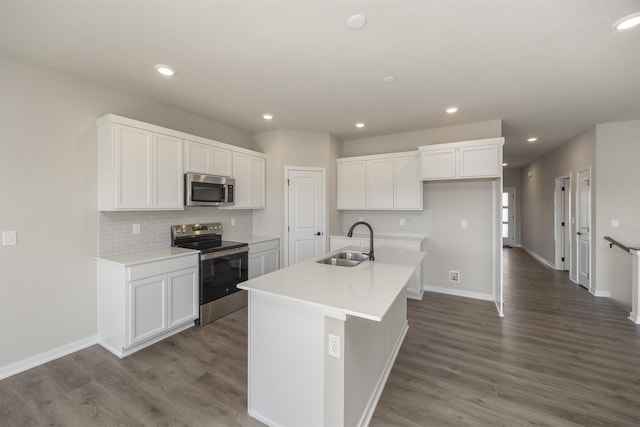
(223, 264)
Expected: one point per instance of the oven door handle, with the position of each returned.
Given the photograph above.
(213, 255)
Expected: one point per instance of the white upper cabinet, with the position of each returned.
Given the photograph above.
(142, 166)
(206, 159)
(352, 184)
(462, 160)
(139, 169)
(380, 182)
(249, 173)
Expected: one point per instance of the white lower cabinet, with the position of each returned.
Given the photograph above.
(141, 303)
(264, 257)
(403, 243)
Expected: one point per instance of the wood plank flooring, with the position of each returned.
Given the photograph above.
(560, 357)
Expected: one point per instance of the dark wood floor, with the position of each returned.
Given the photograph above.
(559, 357)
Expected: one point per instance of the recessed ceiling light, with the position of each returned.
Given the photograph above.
(267, 116)
(627, 22)
(165, 70)
(451, 110)
(360, 125)
(389, 79)
(534, 139)
(357, 22)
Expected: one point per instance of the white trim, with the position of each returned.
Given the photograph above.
(590, 226)
(539, 258)
(634, 317)
(373, 401)
(597, 293)
(287, 169)
(47, 356)
(559, 231)
(459, 293)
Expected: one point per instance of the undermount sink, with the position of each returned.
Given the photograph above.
(345, 259)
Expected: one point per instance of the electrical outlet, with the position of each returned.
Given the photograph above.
(454, 276)
(615, 223)
(360, 218)
(463, 223)
(334, 346)
(402, 221)
(233, 222)
(136, 228)
(9, 238)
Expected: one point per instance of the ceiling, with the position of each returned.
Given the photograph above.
(547, 68)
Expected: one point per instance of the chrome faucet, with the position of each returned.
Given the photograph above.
(350, 234)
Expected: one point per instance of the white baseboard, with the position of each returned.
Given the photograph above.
(539, 258)
(598, 293)
(459, 293)
(634, 317)
(47, 356)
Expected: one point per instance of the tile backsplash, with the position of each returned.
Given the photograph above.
(116, 228)
(416, 223)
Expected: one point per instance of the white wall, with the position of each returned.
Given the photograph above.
(294, 148)
(48, 191)
(618, 197)
(537, 195)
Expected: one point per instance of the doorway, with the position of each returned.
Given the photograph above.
(583, 226)
(305, 213)
(562, 223)
(508, 216)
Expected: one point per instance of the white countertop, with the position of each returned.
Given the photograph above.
(366, 290)
(148, 256)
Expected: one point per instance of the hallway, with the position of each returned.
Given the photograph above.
(559, 357)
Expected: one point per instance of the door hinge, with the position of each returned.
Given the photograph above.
(562, 259)
(562, 223)
(288, 182)
(288, 229)
(562, 188)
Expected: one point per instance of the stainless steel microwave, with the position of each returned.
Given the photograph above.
(208, 190)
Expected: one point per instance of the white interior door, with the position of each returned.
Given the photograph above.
(306, 214)
(508, 216)
(583, 226)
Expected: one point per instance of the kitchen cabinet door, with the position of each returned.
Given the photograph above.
(482, 161)
(249, 173)
(207, 159)
(183, 304)
(168, 178)
(147, 308)
(264, 257)
(438, 164)
(407, 185)
(133, 168)
(352, 184)
(380, 184)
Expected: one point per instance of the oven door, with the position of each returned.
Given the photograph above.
(220, 272)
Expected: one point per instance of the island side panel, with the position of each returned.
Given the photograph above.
(286, 361)
(370, 351)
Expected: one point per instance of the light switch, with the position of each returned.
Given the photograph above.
(136, 228)
(9, 238)
(463, 223)
(402, 221)
(615, 223)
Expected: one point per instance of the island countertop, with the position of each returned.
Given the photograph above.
(366, 290)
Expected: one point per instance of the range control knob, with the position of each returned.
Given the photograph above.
(211, 227)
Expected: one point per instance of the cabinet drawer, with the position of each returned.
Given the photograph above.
(264, 246)
(162, 267)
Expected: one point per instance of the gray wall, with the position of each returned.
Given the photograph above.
(446, 203)
(513, 178)
(294, 148)
(618, 197)
(48, 194)
(408, 141)
(537, 195)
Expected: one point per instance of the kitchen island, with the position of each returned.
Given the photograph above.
(323, 338)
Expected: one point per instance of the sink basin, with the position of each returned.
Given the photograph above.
(345, 259)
